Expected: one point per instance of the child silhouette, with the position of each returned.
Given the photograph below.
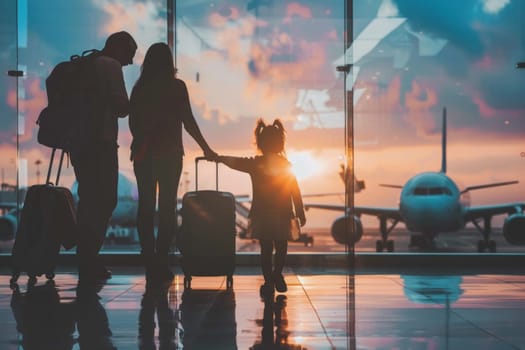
(276, 196)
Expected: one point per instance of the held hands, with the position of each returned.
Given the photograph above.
(211, 155)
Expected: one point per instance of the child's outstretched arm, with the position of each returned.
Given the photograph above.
(236, 163)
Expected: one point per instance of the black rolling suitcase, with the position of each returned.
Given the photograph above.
(47, 221)
(207, 237)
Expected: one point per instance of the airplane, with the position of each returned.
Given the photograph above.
(121, 225)
(9, 210)
(430, 203)
(8, 197)
(8, 225)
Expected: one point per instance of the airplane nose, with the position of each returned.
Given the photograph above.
(428, 214)
(421, 211)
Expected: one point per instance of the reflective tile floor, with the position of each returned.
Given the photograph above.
(323, 309)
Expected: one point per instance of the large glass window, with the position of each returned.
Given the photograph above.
(241, 61)
(48, 33)
(413, 63)
(8, 124)
(244, 60)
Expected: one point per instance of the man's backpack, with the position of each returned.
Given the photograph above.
(71, 96)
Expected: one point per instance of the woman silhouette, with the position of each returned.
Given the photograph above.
(159, 107)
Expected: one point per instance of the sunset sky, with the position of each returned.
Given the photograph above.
(410, 59)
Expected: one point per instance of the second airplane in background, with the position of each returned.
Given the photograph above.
(430, 203)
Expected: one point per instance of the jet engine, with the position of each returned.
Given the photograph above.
(514, 229)
(342, 230)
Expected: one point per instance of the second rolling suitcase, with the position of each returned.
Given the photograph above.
(207, 238)
(47, 221)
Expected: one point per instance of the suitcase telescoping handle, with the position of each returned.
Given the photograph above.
(197, 172)
(51, 166)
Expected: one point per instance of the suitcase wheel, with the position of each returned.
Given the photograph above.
(14, 277)
(12, 282)
(32, 280)
(229, 282)
(187, 282)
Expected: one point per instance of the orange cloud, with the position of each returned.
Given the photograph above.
(142, 20)
(131, 16)
(418, 101)
(225, 13)
(486, 63)
(486, 111)
(377, 99)
(34, 101)
(216, 20)
(296, 9)
(332, 35)
(304, 63)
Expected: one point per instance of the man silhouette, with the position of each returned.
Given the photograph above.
(96, 163)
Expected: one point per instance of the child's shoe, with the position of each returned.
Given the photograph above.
(266, 290)
(280, 283)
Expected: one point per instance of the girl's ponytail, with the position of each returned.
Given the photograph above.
(259, 128)
(277, 124)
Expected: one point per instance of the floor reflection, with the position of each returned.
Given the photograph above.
(92, 321)
(325, 310)
(435, 289)
(275, 330)
(208, 319)
(155, 302)
(45, 321)
(42, 319)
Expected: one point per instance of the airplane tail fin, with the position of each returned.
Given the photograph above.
(359, 185)
(444, 142)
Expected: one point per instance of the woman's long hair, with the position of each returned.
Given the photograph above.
(157, 66)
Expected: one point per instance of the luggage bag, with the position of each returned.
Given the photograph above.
(207, 238)
(47, 221)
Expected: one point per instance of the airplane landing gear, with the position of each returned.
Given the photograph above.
(485, 244)
(384, 242)
(423, 241)
(382, 245)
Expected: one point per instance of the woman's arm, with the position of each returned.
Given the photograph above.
(190, 124)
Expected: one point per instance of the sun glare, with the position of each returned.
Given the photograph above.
(304, 164)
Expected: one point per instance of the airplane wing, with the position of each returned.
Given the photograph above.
(334, 207)
(390, 213)
(471, 188)
(477, 212)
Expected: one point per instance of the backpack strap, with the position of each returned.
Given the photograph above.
(85, 54)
